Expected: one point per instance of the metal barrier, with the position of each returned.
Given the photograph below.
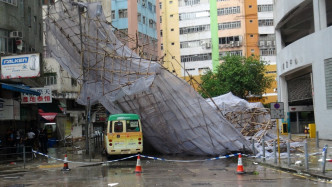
(304, 155)
(19, 153)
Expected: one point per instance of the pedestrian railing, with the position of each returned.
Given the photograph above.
(14, 154)
(304, 156)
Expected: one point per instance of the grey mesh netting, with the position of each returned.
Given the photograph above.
(175, 118)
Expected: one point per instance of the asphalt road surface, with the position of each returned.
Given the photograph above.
(158, 173)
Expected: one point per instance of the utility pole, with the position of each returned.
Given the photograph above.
(80, 9)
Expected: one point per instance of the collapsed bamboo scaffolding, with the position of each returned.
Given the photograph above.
(176, 118)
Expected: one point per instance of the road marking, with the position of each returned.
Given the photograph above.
(113, 184)
(51, 166)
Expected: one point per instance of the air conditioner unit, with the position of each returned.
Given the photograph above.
(16, 34)
(150, 21)
(237, 43)
(208, 45)
(231, 44)
(261, 43)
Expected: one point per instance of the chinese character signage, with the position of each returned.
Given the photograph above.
(45, 96)
(20, 66)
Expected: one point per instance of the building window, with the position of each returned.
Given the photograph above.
(268, 52)
(250, 6)
(188, 2)
(12, 2)
(228, 10)
(162, 46)
(171, 15)
(113, 14)
(229, 25)
(194, 29)
(161, 33)
(172, 29)
(170, 2)
(196, 57)
(233, 41)
(232, 53)
(328, 82)
(73, 82)
(265, 22)
(203, 70)
(160, 5)
(191, 44)
(123, 13)
(50, 79)
(144, 20)
(250, 21)
(150, 6)
(252, 50)
(139, 17)
(161, 19)
(151, 23)
(265, 8)
(172, 43)
(29, 17)
(194, 15)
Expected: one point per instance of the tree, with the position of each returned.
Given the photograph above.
(237, 74)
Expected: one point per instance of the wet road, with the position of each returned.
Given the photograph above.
(158, 173)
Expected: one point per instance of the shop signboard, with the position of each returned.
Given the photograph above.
(45, 96)
(20, 66)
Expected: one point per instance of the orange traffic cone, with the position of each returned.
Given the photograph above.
(138, 165)
(65, 164)
(239, 165)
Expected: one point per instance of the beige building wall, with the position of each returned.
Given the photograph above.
(170, 38)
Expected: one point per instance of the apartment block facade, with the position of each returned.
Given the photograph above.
(197, 33)
(138, 21)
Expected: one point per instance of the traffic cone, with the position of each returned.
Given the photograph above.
(138, 165)
(65, 164)
(239, 165)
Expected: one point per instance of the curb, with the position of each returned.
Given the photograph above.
(291, 170)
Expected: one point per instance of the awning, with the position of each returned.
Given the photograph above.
(19, 88)
(50, 107)
(49, 116)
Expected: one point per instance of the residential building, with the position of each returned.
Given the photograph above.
(267, 49)
(136, 23)
(20, 34)
(204, 31)
(304, 63)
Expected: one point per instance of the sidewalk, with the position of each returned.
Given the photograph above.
(297, 156)
(43, 162)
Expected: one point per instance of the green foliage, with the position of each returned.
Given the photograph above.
(239, 75)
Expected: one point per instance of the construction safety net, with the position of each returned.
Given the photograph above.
(175, 118)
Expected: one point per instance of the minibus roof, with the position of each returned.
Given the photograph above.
(123, 117)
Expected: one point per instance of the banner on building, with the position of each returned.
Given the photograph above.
(20, 66)
(45, 96)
